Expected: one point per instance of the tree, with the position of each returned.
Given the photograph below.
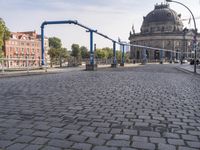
(76, 52)
(84, 52)
(55, 42)
(119, 56)
(108, 52)
(4, 35)
(56, 52)
(1, 53)
(100, 53)
(62, 54)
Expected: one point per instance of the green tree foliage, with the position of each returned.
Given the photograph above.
(104, 53)
(99, 53)
(4, 35)
(119, 56)
(1, 53)
(76, 52)
(55, 43)
(56, 52)
(84, 52)
(109, 52)
(63, 53)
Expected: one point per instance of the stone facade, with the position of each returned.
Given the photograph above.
(162, 28)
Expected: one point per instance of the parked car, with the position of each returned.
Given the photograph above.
(176, 61)
(184, 61)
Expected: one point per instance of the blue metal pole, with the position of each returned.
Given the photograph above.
(42, 43)
(123, 54)
(114, 52)
(91, 48)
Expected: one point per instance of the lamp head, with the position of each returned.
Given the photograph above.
(169, 0)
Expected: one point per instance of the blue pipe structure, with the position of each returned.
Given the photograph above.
(114, 53)
(91, 49)
(42, 32)
(75, 22)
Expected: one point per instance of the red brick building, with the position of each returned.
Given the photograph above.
(24, 48)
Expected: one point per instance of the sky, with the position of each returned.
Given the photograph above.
(113, 18)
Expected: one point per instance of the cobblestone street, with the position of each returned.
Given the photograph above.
(146, 107)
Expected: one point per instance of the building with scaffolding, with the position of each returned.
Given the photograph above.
(163, 28)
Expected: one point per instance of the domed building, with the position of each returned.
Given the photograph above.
(162, 28)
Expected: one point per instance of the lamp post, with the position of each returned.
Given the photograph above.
(195, 32)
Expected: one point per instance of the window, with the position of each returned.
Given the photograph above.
(17, 50)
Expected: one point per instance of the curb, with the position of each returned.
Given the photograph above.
(24, 74)
(187, 71)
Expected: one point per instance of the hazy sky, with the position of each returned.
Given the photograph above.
(111, 17)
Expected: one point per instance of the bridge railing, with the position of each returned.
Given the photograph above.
(19, 64)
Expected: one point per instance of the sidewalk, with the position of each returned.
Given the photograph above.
(189, 68)
(37, 72)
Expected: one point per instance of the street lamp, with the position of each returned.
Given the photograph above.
(195, 32)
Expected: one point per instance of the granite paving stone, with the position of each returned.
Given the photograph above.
(96, 141)
(143, 145)
(40, 141)
(153, 106)
(16, 146)
(194, 144)
(162, 146)
(82, 146)
(121, 143)
(60, 143)
(5, 143)
(24, 139)
(33, 147)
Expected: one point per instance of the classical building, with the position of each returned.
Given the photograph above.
(162, 28)
(23, 46)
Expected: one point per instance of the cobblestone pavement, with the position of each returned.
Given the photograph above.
(148, 107)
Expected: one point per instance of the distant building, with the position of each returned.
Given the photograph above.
(22, 46)
(163, 28)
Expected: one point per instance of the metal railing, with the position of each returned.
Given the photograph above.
(19, 64)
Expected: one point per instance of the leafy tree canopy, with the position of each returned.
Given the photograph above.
(100, 53)
(55, 42)
(76, 52)
(84, 52)
(4, 35)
